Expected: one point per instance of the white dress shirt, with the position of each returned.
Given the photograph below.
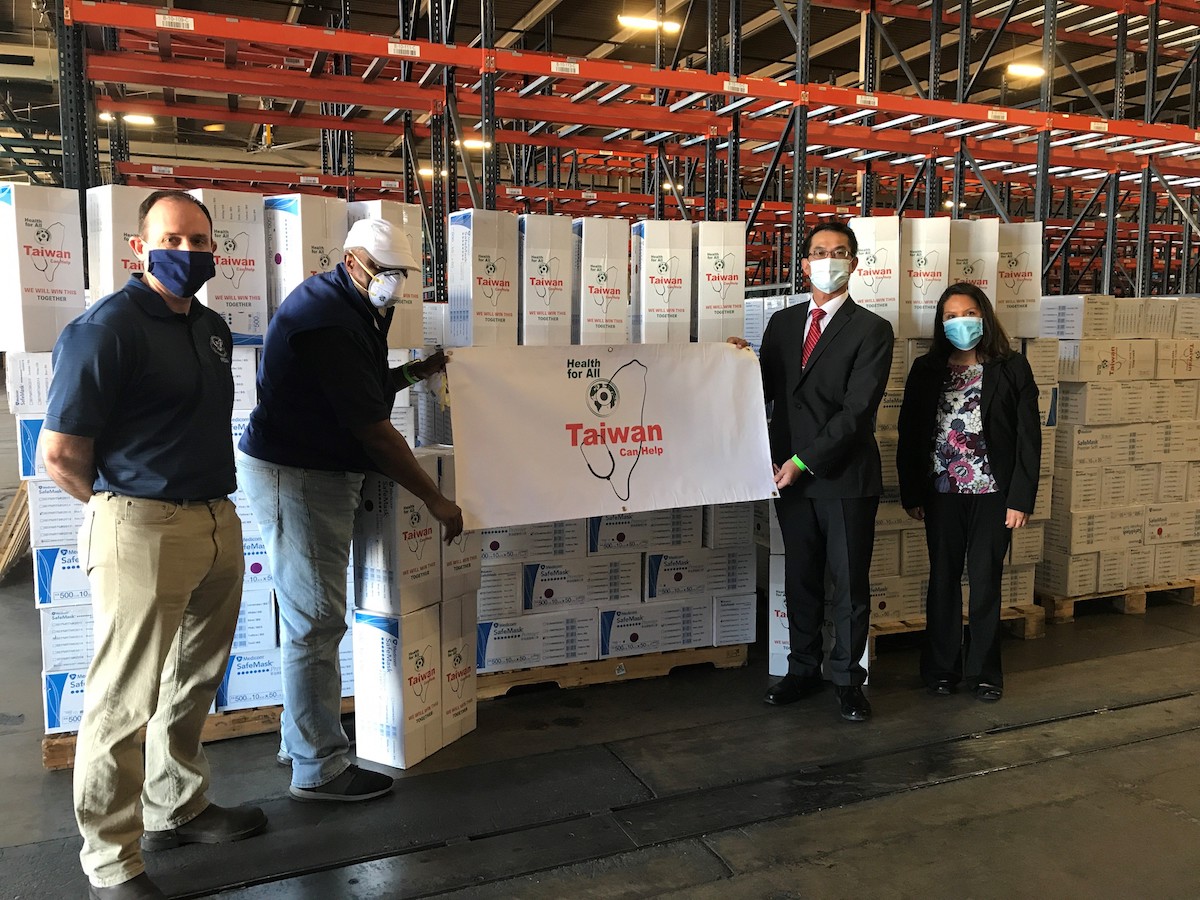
(831, 306)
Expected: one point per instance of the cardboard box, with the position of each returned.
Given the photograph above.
(1171, 523)
(1183, 396)
(661, 284)
(28, 381)
(407, 328)
(730, 571)
(547, 279)
(1112, 569)
(257, 576)
(875, 283)
(718, 300)
(1077, 490)
(915, 348)
(1078, 446)
(604, 581)
(305, 235)
(526, 642)
(914, 551)
(1139, 565)
(1187, 317)
(1193, 482)
(1025, 548)
(600, 305)
(975, 253)
(1088, 404)
(886, 556)
(728, 526)
(1017, 587)
(924, 273)
(1084, 532)
(499, 594)
(1065, 575)
(1106, 360)
(460, 558)
(59, 579)
(1178, 359)
(239, 291)
(1143, 482)
(661, 529)
(778, 639)
(459, 636)
(1045, 494)
(674, 624)
(30, 463)
(482, 272)
(681, 573)
(436, 324)
(62, 700)
(1092, 316)
(1189, 562)
(112, 215)
(1158, 317)
(1168, 561)
(256, 623)
(1116, 487)
(346, 655)
(1042, 356)
(755, 317)
(41, 252)
(1175, 440)
(397, 546)
(1018, 296)
(398, 686)
(251, 679)
(766, 525)
(68, 641)
(547, 540)
(1172, 482)
(55, 517)
(735, 619)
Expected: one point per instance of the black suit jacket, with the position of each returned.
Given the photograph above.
(825, 412)
(1012, 429)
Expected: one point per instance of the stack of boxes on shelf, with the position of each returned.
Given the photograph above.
(1126, 497)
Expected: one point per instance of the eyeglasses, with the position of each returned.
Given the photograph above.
(822, 253)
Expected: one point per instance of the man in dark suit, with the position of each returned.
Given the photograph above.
(825, 365)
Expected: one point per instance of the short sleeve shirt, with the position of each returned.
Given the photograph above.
(154, 388)
(960, 460)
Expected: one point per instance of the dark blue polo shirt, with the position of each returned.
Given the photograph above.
(155, 390)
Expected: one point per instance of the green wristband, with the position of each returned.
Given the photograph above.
(404, 371)
(799, 465)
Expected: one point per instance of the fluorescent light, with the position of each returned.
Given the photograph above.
(822, 197)
(1025, 70)
(138, 119)
(640, 23)
(215, 126)
(106, 117)
(428, 173)
(473, 144)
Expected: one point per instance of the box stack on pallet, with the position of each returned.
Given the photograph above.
(1126, 499)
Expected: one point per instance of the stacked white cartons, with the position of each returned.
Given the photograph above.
(481, 278)
(875, 282)
(547, 280)
(660, 283)
(305, 235)
(404, 413)
(975, 253)
(238, 292)
(718, 298)
(600, 305)
(41, 254)
(1019, 278)
(1025, 551)
(924, 273)
(112, 212)
(407, 328)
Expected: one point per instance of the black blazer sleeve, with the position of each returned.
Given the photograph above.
(918, 413)
(1027, 443)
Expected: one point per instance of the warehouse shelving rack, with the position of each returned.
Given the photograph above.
(680, 141)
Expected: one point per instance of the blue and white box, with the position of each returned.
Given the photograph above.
(677, 574)
(657, 530)
(55, 516)
(251, 679)
(656, 627)
(62, 700)
(257, 576)
(256, 623)
(59, 578)
(735, 619)
(518, 543)
(581, 582)
(29, 451)
(482, 273)
(68, 638)
(731, 571)
(28, 378)
(526, 642)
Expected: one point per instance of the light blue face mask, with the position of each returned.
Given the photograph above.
(964, 332)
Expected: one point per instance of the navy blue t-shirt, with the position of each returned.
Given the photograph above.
(154, 388)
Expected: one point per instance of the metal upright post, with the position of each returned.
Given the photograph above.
(1044, 190)
(80, 147)
(1113, 197)
(933, 174)
(958, 191)
(653, 179)
(1188, 243)
(869, 67)
(491, 152)
(440, 161)
(799, 144)
(733, 186)
(1144, 276)
(712, 179)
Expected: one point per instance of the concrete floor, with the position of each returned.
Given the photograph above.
(1081, 783)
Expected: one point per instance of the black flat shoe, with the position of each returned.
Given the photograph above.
(942, 687)
(853, 703)
(988, 693)
(791, 688)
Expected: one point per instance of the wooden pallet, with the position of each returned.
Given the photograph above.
(627, 668)
(1130, 601)
(58, 750)
(14, 530)
(1025, 622)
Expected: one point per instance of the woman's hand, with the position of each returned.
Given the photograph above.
(1014, 518)
(916, 512)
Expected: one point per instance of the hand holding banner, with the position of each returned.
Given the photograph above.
(549, 433)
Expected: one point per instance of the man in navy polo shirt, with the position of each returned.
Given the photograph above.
(138, 428)
(325, 396)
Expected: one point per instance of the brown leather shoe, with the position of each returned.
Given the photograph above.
(216, 825)
(139, 887)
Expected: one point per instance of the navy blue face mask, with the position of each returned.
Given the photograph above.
(182, 272)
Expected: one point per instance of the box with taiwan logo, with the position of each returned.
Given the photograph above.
(547, 639)
(460, 558)
(59, 579)
(68, 639)
(778, 640)
(238, 291)
(1018, 298)
(459, 636)
(1067, 575)
(546, 540)
(975, 253)
(875, 281)
(728, 526)
(251, 679)
(54, 515)
(1106, 360)
(675, 624)
(482, 273)
(661, 529)
(41, 254)
(397, 546)
(407, 328)
(112, 215)
(924, 273)
(398, 686)
(582, 581)
(600, 305)
(735, 618)
(547, 280)
(1178, 359)
(305, 235)
(661, 283)
(719, 292)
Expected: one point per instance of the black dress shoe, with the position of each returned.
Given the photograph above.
(855, 707)
(216, 825)
(137, 888)
(791, 688)
(988, 693)
(941, 687)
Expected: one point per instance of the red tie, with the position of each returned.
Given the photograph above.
(814, 335)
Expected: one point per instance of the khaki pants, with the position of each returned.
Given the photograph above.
(166, 589)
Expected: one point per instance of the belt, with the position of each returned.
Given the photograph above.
(172, 500)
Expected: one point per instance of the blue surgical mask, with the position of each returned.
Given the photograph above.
(182, 272)
(964, 332)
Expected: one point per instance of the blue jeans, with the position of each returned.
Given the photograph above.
(307, 521)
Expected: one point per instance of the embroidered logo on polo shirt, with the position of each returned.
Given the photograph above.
(218, 347)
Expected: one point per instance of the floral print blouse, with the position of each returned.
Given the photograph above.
(960, 462)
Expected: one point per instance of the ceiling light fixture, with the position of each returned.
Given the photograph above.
(474, 144)
(215, 126)
(138, 119)
(1025, 70)
(106, 117)
(641, 23)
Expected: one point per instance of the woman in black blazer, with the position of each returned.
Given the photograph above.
(970, 445)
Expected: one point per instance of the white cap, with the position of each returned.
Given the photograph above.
(384, 243)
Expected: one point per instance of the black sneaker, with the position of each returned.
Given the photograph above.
(351, 786)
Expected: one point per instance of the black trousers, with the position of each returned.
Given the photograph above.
(840, 534)
(958, 528)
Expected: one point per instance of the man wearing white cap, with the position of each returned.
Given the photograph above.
(325, 396)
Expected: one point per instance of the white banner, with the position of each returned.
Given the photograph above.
(549, 433)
